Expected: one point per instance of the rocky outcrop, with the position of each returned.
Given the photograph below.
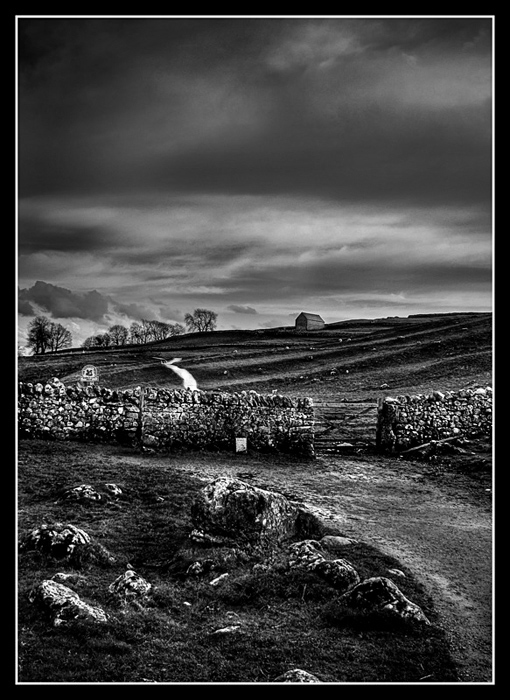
(63, 605)
(338, 573)
(297, 675)
(82, 494)
(233, 509)
(85, 493)
(66, 542)
(380, 594)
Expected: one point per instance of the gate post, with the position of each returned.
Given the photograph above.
(139, 428)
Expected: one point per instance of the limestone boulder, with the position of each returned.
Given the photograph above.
(114, 490)
(85, 493)
(130, 587)
(63, 605)
(66, 542)
(231, 508)
(382, 594)
(297, 675)
(309, 555)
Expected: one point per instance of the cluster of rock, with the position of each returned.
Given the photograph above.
(160, 419)
(72, 546)
(233, 516)
(245, 514)
(406, 421)
(63, 606)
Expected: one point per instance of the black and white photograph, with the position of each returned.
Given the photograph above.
(254, 350)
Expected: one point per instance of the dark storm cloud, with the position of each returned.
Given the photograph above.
(138, 312)
(25, 308)
(401, 158)
(35, 235)
(135, 311)
(320, 107)
(335, 275)
(62, 303)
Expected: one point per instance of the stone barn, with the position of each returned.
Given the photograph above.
(309, 322)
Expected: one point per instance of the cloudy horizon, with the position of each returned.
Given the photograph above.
(257, 167)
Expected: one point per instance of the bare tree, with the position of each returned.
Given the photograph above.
(89, 342)
(119, 334)
(60, 337)
(135, 333)
(177, 329)
(102, 340)
(45, 335)
(38, 337)
(146, 331)
(201, 320)
(159, 330)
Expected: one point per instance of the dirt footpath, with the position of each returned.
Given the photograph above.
(438, 524)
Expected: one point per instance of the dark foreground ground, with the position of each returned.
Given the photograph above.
(431, 520)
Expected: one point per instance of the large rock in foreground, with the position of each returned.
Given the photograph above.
(238, 511)
(380, 594)
(63, 605)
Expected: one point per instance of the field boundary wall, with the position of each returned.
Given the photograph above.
(404, 422)
(164, 420)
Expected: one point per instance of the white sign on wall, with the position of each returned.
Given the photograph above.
(241, 445)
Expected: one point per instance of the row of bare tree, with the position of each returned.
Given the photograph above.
(46, 336)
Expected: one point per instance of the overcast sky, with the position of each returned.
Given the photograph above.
(257, 167)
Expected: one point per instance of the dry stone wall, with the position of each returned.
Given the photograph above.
(407, 421)
(88, 413)
(163, 420)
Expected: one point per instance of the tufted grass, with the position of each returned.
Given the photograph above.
(283, 619)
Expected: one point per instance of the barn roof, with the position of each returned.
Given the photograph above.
(312, 317)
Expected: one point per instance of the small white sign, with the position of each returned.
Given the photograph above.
(89, 373)
(241, 445)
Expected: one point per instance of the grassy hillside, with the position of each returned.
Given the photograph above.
(351, 359)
